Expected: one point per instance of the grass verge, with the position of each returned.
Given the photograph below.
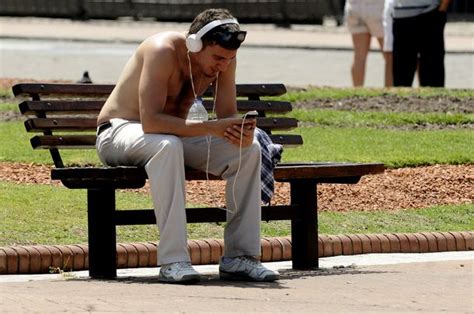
(8, 106)
(56, 215)
(16, 148)
(312, 93)
(52, 215)
(347, 119)
(395, 148)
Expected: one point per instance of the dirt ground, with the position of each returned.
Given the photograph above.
(395, 189)
(403, 188)
(395, 103)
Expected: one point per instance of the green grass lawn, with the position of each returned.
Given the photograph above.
(40, 214)
(9, 107)
(395, 148)
(312, 93)
(354, 119)
(16, 147)
(57, 215)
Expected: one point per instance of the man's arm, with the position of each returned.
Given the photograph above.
(153, 86)
(226, 102)
(443, 7)
(226, 106)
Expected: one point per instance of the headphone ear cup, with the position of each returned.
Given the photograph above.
(193, 43)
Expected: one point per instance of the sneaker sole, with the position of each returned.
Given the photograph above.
(241, 276)
(189, 279)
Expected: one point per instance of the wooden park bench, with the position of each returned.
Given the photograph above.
(65, 116)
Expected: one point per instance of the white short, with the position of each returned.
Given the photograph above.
(365, 16)
(388, 26)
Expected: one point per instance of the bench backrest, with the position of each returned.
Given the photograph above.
(66, 114)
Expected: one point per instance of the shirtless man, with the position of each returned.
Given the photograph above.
(144, 123)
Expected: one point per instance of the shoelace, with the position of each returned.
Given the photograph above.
(184, 265)
(180, 266)
(249, 260)
(255, 264)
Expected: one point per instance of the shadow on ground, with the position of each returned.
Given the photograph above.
(213, 279)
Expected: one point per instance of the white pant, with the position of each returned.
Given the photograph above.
(164, 158)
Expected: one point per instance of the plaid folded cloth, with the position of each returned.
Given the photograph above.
(271, 156)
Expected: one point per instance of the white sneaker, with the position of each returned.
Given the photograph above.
(180, 272)
(245, 268)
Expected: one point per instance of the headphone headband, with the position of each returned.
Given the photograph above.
(206, 28)
(194, 42)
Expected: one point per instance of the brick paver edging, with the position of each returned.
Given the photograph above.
(47, 258)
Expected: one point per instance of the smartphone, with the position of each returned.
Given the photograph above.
(251, 114)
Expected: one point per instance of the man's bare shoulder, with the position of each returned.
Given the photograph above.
(163, 42)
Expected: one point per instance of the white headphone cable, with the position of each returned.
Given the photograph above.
(209, 138)
(191, 76)
(240, 160)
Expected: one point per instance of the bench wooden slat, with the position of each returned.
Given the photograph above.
(60, 124)
(127, 177)
(63, 141)
(31, 107)
(88, 141)
(290, 171)
(85, 124)
(287, 139)
(259, 105)
(283, 171)
(57, 107)
(89, 90)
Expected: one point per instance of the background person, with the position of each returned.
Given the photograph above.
(364, 19)
(418, 41)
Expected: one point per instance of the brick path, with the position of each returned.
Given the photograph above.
(43, 258)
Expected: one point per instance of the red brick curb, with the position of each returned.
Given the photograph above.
(50, 258)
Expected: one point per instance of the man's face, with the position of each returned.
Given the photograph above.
(214, 59)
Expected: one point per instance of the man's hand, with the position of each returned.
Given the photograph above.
(443, 7)
(233, 130)
(236, 133)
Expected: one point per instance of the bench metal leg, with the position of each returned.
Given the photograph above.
(102, 235)
(304, 229)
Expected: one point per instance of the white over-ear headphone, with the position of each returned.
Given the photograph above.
(194, 42)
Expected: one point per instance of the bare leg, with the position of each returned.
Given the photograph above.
(387, 55)
(361, 42)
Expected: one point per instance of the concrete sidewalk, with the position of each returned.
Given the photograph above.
(59, 49)
(431, 282)
(459, 36)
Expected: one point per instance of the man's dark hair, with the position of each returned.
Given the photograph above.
(208, 16)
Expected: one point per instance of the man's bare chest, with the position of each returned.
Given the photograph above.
(181, 95)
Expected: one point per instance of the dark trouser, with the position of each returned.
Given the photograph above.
(419, 39)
